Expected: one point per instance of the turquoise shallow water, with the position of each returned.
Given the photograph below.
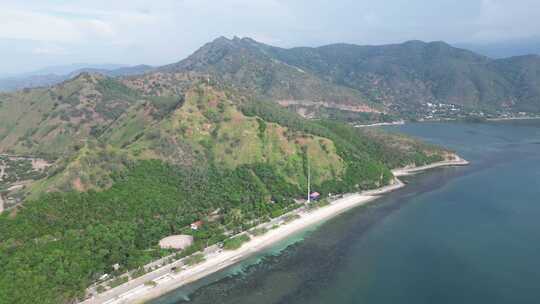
(454, 235)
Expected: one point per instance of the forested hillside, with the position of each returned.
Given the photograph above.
(137, 159)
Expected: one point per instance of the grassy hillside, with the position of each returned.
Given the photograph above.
(57, 121)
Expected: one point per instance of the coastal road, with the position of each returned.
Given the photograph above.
(130, 289)
(215, 259)
(127, 290)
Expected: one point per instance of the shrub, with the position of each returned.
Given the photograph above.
(259, 231)
(236, 242)
(118, 281)
(150, 283)
(194, 259)
(100, 289)
(291, 217)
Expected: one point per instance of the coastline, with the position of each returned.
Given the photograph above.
(380, 124)
(513, 118)
(457, 161)
(135, 291)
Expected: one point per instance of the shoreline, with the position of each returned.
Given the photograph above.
(380, 124)
(135, 291)
(513, 118)
(457, 119)
(463, 119)
(457, 161)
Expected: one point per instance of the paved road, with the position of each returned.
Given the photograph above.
(157, 275)
(130, 289)
(115, 295)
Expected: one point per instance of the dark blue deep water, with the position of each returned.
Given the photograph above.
(454, 235)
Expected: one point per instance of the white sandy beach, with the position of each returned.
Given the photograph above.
(136, 292)
(458, 161)
(227, 258)
(380, 124)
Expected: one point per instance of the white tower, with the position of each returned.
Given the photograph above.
(308, 179)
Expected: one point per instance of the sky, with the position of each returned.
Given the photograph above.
(40, 33)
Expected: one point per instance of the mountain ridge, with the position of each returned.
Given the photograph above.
(398, 78)
(358, 82)
(38, 79)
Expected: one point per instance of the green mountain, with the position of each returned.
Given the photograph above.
(250, 68)
(401, 79)
(140, 158)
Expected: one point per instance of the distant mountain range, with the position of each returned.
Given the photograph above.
(401, 78)
(504, 49)
(53, 75)
(71, 68)
(412, 79)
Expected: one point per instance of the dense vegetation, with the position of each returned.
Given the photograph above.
(58, 245)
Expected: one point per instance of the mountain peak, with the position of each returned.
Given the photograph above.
(222, 40)
(415, 42)
(88, 76)
(421, 43)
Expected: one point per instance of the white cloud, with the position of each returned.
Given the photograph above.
(163, 31)
(50, 50)
(19, 24)
(68, 24)
(506, 20)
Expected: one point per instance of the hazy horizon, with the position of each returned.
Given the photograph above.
(40, 34)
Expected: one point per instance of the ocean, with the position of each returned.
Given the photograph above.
(453, 235)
